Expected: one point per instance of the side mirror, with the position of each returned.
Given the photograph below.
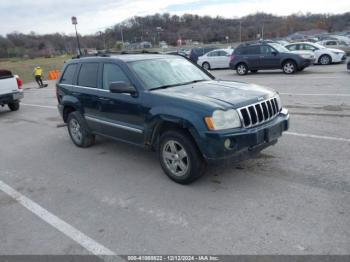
(121, 87)
(274, 53)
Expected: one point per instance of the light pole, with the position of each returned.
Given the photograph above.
(240, 31)
(75, 22)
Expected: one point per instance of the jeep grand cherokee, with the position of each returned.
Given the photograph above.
(168, 104)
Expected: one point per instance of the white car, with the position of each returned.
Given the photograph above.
(323, 55)
(218, 58)
(338, 44)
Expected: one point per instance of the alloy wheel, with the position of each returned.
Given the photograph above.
(175, 158)
(75, 131)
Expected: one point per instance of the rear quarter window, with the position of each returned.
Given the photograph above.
(68, 75)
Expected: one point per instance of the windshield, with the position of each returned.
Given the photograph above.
(279, 48)
(165, 72)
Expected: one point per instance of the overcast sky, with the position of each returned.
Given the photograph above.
(49, 16)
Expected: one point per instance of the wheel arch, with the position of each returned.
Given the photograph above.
(70, 104)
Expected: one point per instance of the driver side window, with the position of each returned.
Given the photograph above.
(113, 73)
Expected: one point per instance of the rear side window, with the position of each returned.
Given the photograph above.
(68, 76)
(214, 53)
(113, 73)
(5, 74)
(292, 47)
(88, 75)
(251, 50)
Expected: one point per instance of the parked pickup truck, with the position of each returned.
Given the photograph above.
(10, 90)
(168, 104)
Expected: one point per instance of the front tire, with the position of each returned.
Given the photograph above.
(14, 106)
(325, 60)
(78, 130)
(242, 69)
(289, 67)
(180, 158)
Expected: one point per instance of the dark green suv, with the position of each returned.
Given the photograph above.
(168, 104)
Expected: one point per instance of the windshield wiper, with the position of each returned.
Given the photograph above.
(181, 84)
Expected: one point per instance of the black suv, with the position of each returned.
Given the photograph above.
(168, 104)
(265, 56)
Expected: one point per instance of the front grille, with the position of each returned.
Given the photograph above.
(259, 113)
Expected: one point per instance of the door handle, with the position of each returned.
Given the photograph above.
(103, 99)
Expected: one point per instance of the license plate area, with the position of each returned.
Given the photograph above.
(17, 96)
(272, 133)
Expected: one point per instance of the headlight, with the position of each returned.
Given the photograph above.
(279, 102)
(223, 120)
(337, 53)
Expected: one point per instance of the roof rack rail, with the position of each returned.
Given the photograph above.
(110, 53)
(258, 42)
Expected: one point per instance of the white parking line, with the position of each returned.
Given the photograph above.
(71, 232)
(319, 137)
(41, 106)
(303, 94)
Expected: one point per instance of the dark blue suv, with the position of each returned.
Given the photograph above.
(167, 104)
(265, 55)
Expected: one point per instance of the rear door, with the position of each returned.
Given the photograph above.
(251, 54)
(223, 59)
(88, 91)
(120, 115)
(213, 59)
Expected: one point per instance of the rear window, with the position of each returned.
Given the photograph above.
(68, 75)
(5, 74)
(88, 75)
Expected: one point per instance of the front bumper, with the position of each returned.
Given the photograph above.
(11, 97)
(306, 63)
(212, 144)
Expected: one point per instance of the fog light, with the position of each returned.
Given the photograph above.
(227, 143)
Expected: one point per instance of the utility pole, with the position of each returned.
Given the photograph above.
(75, 22)
(240, 31)
(262, 30)
(121, 33)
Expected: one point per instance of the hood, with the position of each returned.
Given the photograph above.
(224, 94)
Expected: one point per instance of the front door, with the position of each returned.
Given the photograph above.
(120, 115)
(269, 57)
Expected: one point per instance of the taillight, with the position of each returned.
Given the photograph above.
(19, 82)
(232, 57)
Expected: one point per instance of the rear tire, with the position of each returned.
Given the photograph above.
(242, 69)
(206, 66)
(289, 67)
(325, 60)
(179, 157)
(78, 130)
(14, 106)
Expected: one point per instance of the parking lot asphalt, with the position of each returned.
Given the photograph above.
(294, 198)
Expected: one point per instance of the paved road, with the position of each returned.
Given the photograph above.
(293, 199)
